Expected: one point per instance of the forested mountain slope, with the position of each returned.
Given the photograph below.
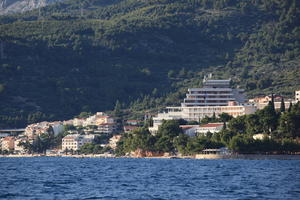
(84, 55)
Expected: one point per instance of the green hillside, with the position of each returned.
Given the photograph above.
(85, 55)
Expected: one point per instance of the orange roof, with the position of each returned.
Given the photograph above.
(105, 116)
(211, 125)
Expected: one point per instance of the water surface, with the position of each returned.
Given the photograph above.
(95, 178)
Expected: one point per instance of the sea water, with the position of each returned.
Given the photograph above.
(97, 178)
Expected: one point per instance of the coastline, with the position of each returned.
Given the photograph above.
(197, 156)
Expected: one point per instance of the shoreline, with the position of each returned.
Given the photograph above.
(196, 157)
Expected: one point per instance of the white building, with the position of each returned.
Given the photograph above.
(214, 98)
(210, 127)
(74, 142)
(213, 93)
(297, 95)
(260, 136)
(114, 141)
(43, 127)
(190, 130)
(78, 121)
(107, 127)
(262, 102)
(8, 143)
(98, 119)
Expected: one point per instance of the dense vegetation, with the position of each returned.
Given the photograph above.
(84, 55)
(281, 130)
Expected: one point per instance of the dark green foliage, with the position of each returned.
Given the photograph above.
(139, 52)
(244, 144)
(168, 139)
(289, 123)
(91, 148)
(282, 105)
(281, 130)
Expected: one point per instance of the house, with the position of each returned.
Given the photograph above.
(190, 130)
(210, 127)
(74, 142)
(8, 143)
(78, 121)
(114, 140)
(44, 127)
(68, 122)
(98, 119)
(107, 127)
(261, 102)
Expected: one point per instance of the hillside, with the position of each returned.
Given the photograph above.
(20, 6)
(79, 55)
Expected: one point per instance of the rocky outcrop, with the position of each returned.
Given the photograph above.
(139, 153)
(19, 6)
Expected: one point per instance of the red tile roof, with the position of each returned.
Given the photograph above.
(188, 126)
(211, 125)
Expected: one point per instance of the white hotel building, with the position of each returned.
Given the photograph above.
(215, 97)
(75, 141)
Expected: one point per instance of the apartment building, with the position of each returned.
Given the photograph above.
(74, 142)
(8, 143)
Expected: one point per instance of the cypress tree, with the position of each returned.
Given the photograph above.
(290, 107)
(272, 103)
(282, 105)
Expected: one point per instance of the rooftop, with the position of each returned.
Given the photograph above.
(211, 125)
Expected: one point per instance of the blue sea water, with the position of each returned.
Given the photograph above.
(94, 178)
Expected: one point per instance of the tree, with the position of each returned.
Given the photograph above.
(268, 118)
(290, 107)
(282, 105)
(225, 117)
(289, 125)
(27, 146)
(87, 148)
(84, 114)
(169, 128)
(237, 125)
(180, 143)
(253, 124)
